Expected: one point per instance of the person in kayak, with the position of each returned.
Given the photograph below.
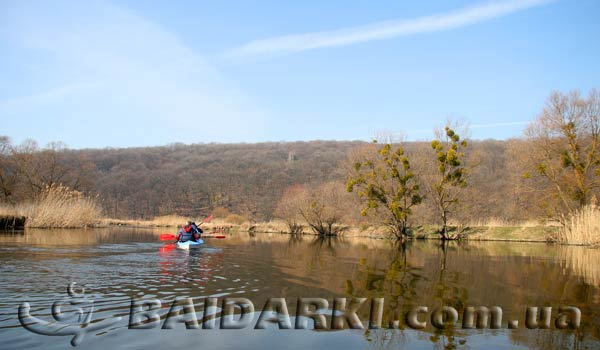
(189, 232)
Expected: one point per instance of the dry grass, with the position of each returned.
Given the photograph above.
(169, 220)
(499, 222)
(10, 210)
(236, 219)
(159, 221)
(60, 207)
(583, 228)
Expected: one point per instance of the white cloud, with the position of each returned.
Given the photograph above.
(97, 63)
(382, 30)
(48, 96)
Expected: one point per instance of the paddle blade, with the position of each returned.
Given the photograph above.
(167, 237)
(207, 219)
(213, 236)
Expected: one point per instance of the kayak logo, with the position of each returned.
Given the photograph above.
(74, 308)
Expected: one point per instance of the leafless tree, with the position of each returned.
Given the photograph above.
(323, 208)
(290, 206)
(565, 148)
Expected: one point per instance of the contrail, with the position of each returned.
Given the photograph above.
(381, 30)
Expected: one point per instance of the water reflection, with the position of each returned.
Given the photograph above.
(117, 265)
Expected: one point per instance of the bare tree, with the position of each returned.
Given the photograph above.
(324, 208)
(27, 169)
(565, 149)
(8, 177)
(290, 206)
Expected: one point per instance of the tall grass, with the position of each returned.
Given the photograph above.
(582, 228)
(58, 206)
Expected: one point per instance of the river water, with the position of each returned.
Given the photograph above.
(116, 266)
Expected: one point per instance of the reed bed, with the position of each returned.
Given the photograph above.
(582, 228)
(58, 206)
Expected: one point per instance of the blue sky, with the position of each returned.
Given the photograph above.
(138, 73)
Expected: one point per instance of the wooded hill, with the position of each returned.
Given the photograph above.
(248, 179)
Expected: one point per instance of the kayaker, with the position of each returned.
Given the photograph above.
(195, 228)
(189, 232)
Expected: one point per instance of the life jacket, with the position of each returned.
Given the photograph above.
(185, 236)
(192, 228)
(187, 232)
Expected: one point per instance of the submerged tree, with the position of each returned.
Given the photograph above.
(448, 180)
(387, 182)
(565, 149)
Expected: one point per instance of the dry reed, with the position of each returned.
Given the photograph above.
(498, 222)
(582, 228)
(58, 206)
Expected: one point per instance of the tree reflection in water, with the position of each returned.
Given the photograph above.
(398, 283)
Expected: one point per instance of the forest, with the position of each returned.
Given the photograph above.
(512, 181)
(247, 179)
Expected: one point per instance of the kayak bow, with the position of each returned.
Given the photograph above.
(189, 244)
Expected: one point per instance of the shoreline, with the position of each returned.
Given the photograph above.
(532, 234)
(493, 233)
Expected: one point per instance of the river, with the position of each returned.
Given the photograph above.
(118, 265)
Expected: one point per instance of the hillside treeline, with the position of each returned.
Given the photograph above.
(247, 179)
(189, 180)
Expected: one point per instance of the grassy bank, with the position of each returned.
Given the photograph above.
(159, 221)
(527, 232)
(173, 222)
(497, 233)
(58, 212)
(61, 208)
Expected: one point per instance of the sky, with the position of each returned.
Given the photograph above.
(137, 73)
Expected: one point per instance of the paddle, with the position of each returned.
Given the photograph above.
(207, 219)
(170, 237)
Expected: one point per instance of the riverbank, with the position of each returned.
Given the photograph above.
(513, 233)
(12, 222)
